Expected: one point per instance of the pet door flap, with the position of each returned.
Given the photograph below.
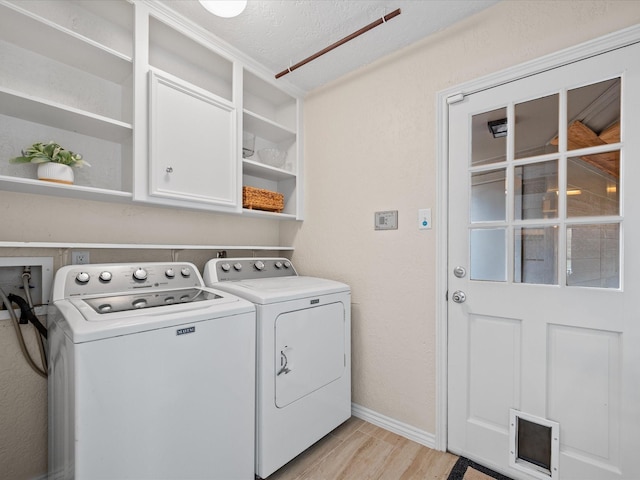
(534, 445)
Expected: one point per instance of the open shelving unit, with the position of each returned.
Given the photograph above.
(69, 80)
(272, 116)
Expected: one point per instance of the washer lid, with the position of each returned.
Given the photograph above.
(82, 322)
(280, 289)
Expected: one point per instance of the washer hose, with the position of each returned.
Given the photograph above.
(16, 325)
(26, 276)
(26, 314)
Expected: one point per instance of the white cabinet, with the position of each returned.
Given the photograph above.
(187, 146)
(191, 144)
(66, 75)
(155, 104)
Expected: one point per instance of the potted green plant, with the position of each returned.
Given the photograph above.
(54, 162)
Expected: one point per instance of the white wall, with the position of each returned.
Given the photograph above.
(370, 144)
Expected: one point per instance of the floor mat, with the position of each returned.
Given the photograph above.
(465, 469)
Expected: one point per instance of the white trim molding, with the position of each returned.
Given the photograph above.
(404, 430)
(452, 95)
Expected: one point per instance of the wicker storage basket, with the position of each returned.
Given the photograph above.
(260, 199)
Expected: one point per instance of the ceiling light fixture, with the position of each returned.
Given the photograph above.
(498, 128)
(225, 8)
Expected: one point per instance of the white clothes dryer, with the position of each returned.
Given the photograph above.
(303, 351)
(151, 375)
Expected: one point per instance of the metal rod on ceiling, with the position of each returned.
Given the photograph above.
(355, 34)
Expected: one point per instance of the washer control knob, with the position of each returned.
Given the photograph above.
(287, 264)
(225, 267)
(140, 274)
(105, 276)
(278, 264)
(82, 277)
(237, 266)
(169, 273)
(259, 265)
(186, 273)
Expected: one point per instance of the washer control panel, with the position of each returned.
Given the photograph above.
(230, 269)
(92, 279)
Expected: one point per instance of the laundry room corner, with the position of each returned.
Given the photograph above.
(370, 145)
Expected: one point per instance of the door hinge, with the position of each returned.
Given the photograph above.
(446, 296)
(458, 97)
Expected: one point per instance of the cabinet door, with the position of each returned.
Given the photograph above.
(192, 147)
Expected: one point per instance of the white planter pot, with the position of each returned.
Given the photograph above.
(55, 172)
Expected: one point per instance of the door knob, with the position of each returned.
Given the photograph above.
(460, 271)
(169, 170)
(458, 296)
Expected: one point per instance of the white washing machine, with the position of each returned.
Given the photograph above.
(303, 374)
(152, 375)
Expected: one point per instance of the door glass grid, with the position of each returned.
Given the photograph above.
(489, 137)
(536, 255)
(536, 191)
(536, 126)
(488, 196)
(517, 210)
(593, 255)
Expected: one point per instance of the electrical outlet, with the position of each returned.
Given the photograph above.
(79, 258)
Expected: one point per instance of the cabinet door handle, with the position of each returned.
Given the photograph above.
(169, 170)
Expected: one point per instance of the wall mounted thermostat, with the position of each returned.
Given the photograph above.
(386, 220)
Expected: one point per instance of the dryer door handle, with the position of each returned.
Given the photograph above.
(283, 361)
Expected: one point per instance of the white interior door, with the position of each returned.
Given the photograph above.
(544, 224)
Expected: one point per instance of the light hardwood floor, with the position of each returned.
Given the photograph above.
(359, 450)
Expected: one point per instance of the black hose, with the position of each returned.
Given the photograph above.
(26, 315)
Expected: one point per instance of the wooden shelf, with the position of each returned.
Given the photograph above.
(60, 44)
(265, 128)
(247, 212)
(257, 169)
(56, 115)
(39, 187)
(142, 246)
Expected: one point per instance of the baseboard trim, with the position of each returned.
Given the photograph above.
(404, 430)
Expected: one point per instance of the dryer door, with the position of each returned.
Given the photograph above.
(310, 351)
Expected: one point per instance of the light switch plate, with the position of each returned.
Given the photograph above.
(424, 219)
(386, 220)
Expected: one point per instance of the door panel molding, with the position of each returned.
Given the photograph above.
(561, 58)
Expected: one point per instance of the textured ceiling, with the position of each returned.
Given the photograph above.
(280, 33)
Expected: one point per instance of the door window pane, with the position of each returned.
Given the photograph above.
(590, 189)
(488, 137)
(593, 256)
(593, 112)
(488, 254)
(536, 126)
(488, 196)
(536, 191)
(536, 255)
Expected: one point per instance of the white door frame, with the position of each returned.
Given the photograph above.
(591, 48)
